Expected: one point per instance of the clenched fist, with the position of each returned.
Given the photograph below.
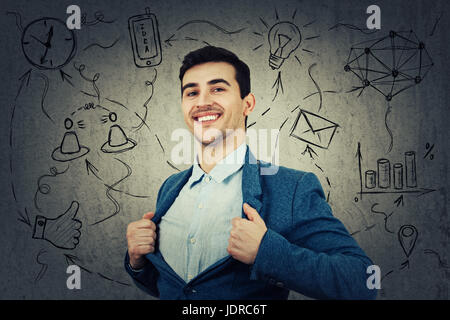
(246, 236)
(141, 238)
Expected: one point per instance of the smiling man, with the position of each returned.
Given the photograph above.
(224, 230)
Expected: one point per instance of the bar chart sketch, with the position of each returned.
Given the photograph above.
(390, 178)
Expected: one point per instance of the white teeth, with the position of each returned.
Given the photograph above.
(207, 118)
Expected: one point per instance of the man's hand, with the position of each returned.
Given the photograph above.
(141, 237)
(246, 235)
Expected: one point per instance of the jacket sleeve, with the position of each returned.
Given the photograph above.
(146, 278)
(317, 257)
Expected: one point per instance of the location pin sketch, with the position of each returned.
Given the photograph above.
(407, 235)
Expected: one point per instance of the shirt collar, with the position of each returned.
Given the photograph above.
(223, 169)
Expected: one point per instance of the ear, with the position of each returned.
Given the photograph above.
(249, 104)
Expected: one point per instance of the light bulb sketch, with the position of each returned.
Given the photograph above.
(284, 38)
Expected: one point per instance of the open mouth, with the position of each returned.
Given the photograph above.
(207, 118)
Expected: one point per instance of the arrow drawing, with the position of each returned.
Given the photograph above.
(420, 192)
(316, 85)
(310, 151)
(442, 264)
(278, 85)
(169, 40)
(71, 259)
(24, 217)
(44, 266)
(66, 77)
(386, 216)
(388, 111)
(359, 156)
(436, 23)
(44, 94)
(399, 201)
(91, 168)
(24, 78)
(211, 24)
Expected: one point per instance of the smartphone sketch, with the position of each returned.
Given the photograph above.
(145, 39)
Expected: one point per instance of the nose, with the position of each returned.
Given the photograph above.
(204, 99)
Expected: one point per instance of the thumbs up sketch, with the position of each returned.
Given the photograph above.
(63, 232)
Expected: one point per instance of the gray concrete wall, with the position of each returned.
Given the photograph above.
(405, 231)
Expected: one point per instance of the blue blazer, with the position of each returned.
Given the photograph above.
(305, 248)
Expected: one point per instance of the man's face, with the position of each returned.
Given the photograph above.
(211, 99)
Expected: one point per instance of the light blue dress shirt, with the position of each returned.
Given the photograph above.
(194, 232)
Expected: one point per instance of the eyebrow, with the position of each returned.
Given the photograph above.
(210, 82)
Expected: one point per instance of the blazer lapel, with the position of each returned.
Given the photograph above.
(251, 185)
(171, 193)
(167, 199)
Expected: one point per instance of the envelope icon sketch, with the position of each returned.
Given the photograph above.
(313, 129)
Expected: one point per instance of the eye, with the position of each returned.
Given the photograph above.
(218, 89)
(191, 93)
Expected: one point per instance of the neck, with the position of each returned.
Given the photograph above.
(211, 154)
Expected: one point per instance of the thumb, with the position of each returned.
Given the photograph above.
(148, 215)
(72, 211)
(252, 214)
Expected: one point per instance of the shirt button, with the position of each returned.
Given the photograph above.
(208, 179)
(192, 240)
(200, 206)
(190, 277)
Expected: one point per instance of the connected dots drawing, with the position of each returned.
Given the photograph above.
(389, 65)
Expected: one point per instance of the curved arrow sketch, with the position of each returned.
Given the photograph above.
(211, 24)
(386, 216)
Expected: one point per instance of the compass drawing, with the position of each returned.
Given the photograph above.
(47, 43)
